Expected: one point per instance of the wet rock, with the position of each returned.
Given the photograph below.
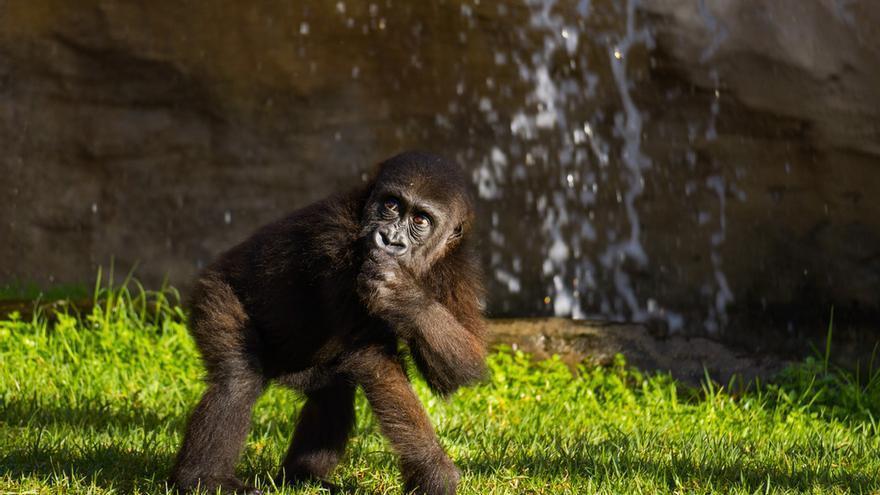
(799, 107)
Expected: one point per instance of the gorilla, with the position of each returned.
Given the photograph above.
(320, 301)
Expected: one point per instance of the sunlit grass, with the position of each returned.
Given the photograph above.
(95, 403)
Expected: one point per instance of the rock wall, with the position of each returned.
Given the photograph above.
(798, 133)
(160, 133)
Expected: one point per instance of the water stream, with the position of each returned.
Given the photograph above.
(560, 161)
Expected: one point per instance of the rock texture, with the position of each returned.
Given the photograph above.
(688, 359)
(798, 133)
(158, 134)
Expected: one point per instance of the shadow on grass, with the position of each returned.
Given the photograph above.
(92, 414)
(125, 471)
(76, 459)
(74, 456)
(609, 460)
(104, 466)
(146, 467)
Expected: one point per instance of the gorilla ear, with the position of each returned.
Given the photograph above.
(456, 234)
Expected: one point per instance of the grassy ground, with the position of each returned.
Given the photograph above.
(96, 403)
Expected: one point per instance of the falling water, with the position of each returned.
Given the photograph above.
(589, 272)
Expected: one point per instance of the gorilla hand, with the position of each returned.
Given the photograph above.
(389, 291)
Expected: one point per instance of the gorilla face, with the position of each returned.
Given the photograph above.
(404, 225)
(412, 215)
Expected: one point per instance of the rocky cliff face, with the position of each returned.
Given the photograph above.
(798, 131)
(162, 133)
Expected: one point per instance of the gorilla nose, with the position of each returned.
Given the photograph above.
(392, 245)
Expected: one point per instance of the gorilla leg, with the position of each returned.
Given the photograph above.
(426, 468)
(322, 432)
(216, 433)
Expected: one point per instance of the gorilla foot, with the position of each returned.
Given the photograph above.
(226, 486)
(439, 479)
(301, 479)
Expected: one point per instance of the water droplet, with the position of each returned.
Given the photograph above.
(227, 217)
(304, 28)
(617, 54)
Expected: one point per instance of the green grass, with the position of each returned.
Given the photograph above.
(17, 291)
(95, 403)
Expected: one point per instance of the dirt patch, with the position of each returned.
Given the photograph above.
(688, 359)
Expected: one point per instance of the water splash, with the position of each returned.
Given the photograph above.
(567, 156)
(714, 25)
(634, 165)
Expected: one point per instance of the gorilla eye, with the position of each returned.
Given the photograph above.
(391, 204)
(421, 220)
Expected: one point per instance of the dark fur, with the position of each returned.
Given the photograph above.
(310, 302)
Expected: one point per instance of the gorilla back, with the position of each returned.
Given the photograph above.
(318, 301)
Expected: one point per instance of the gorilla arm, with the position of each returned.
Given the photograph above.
(448, 354)
(444, 331)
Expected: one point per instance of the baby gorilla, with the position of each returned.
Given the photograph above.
(318, 301)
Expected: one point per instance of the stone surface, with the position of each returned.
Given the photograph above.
(799, 123)
(689, 359)
(158, 134)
